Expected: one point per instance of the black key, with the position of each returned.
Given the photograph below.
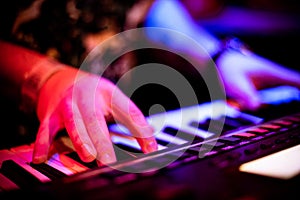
(205, 125)
(127, 148)
(214, 125)
(48, 171)
(165, 143)
(18, 174)
(227, 122)
(75, 157)
(238, 121)
(182, 134)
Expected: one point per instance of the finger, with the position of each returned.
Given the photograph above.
(284, 76)
(127, 113)
(97, 128)
(46, 132)
(77, 131)
(244, 92)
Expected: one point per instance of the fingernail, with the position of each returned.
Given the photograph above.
(107, 158)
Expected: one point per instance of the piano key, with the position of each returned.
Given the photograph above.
(57, 161)
(48, 171)
(214, 128)
(9, 155)
(161, 142)
(170, 139)
(240, 120)
(66, 164)
(25, 152)
(130, 141)
(19, 175)
(89, 165)
(222, 124)
(182, 134)
(127, 148)
(59, 166)
(121, 134)
(227, 123)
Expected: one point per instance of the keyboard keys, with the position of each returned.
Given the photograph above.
(189, 137)
(222, 124)
(19, 175)
(48, 171)
(66, 164)
(215, 128)
(23, 165)
(73, 155)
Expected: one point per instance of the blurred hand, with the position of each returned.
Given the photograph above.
(243, 75)
(81, 103)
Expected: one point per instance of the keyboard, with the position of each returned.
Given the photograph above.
(200, 150)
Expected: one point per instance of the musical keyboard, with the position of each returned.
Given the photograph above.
(210, 138)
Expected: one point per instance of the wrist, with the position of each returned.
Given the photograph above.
(231, 44)
(33, 81)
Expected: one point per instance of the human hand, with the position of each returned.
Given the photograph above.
(81, 103)
(243, 75)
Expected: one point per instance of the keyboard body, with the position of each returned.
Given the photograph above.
(201, 148)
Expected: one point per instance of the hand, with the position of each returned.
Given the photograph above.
(81, 103)
(243, 75)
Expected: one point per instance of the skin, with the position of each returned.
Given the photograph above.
(242, 74)
(81, 103)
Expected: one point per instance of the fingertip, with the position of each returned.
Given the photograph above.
(38, 159)
(106, 158)
(87, 153)
(251, 103)
(148, 145)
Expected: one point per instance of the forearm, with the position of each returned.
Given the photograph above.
(24, 71)
(172, 15)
